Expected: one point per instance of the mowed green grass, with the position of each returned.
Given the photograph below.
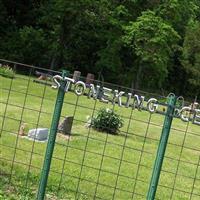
(91, 163)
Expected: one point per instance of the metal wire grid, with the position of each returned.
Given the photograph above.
(62, 177)
(11, 163)
(185, 166)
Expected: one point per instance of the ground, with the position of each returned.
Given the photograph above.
(91, 163)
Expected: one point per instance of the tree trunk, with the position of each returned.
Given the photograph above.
(52, 64)
(138, 77)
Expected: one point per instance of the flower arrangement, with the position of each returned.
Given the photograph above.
(106, 120)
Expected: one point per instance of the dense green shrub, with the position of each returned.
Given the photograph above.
(6, 71)
(106, 120)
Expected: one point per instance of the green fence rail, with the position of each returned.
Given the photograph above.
(150, 157)
(52, 138)
(161, 148)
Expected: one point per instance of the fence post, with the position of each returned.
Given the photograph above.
(52, 138)
(161, 148)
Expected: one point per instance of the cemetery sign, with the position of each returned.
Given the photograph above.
(106, 95)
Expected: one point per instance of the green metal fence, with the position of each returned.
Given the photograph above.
(152, 157)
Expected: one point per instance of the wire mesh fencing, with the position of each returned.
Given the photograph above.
(180, 176)
(89, 163)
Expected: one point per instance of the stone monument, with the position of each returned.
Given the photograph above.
(66, 125)
(40, 134)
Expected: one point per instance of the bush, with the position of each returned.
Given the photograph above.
(106, 120)
(6, 71)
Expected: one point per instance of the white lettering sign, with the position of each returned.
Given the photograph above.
(106, 95)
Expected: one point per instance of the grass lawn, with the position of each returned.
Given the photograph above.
(91, 163)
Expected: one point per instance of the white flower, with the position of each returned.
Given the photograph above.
(107, 110)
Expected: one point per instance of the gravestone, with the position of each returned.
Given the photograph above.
(89, 79)
(76, 75)
(38, 134)
(66, 125)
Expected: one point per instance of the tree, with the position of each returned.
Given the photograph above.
(131, 42)
(178, 13)
(17, 16)
(153, 42)
(191, 57)
(109, 57)
(74, 30)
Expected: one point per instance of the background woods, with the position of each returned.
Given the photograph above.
(151, 45)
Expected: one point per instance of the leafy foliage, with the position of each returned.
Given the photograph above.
(106, 120)
(191, 55)
(6, 71)
(153, 42)
(178, 13)
(141, 44)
